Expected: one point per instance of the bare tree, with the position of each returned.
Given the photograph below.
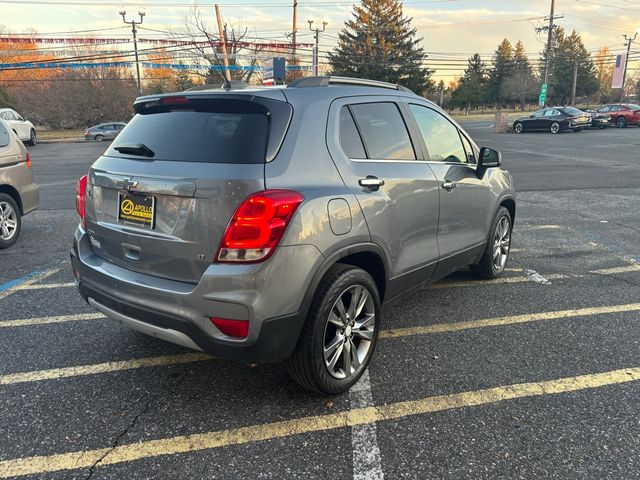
(205, 47)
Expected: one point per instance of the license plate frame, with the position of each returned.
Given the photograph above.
(136, 209)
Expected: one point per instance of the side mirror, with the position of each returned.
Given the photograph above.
(489, 158)
(531, 116)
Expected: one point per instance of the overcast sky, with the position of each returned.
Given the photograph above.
(450, 28)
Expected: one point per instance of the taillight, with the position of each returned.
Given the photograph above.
(257, 226)
(81, 196)
(233, 328)
(28, 160)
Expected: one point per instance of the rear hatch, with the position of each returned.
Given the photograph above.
(161, 196)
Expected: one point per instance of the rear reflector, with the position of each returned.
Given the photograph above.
(28, 160)
(233, 328)
(258, 225)
(81, 198)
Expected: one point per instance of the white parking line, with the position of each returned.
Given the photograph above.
(367, 463)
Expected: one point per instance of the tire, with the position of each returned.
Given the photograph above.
(98, 138)
(10, 221)
(334, 372)
(517, 127)
(554, 128)
(499, 238)
(621, 122)
(33, 139)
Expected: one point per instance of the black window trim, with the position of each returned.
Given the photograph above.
(472, 166)
(364, 145)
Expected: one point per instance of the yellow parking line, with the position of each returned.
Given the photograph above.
(361, 416)
(495, 281)
(55, 373)
(52, 374)
(510, 320)
(44, 286)
(634, 267)
(45, 320)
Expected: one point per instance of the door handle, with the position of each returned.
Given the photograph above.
(371, 182)
(448, 185)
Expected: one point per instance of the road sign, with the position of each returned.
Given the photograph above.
(543, 94)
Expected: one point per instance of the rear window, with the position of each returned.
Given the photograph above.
(191, 136)
(212, 128)
(572, 111)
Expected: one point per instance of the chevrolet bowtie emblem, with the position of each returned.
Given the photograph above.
(127, 183)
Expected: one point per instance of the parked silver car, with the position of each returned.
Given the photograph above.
(19, 195)
(104, 131)
(267, 224)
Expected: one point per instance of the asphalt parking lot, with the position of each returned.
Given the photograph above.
(535, 375)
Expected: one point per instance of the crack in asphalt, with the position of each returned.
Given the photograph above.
(183, 375)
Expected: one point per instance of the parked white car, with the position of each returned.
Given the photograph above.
(23, 128)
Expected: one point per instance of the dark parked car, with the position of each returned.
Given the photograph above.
(104, 131)
(598, 120)
(554, 120)
(622, 114)
(262, 224)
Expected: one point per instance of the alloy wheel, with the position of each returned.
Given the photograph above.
(349, 332)
(501, 243)
(518, 128)
(8, 221)
(555, 127)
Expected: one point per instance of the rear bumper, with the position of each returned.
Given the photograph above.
(180, 312)
(30, 197)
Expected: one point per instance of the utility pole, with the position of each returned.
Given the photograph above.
(223, 40)
(629, 40)
(317, 38)
(133, 24)
(575, 81)
(295, 29)
(547, 61)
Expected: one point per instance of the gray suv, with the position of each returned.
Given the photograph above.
(269, 224)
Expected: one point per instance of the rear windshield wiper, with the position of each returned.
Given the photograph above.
(135, 149)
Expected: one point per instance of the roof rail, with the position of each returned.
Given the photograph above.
(325, 81)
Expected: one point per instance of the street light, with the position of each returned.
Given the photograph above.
(317, 37)
(122, 12)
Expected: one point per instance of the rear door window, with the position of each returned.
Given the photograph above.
(383, 131)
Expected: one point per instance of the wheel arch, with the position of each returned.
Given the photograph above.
(510, 204)
(13, 193)
(367, 256)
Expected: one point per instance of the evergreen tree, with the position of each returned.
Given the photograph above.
(500, 72)
(471, 91)
(378, 43)
(566, 52)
